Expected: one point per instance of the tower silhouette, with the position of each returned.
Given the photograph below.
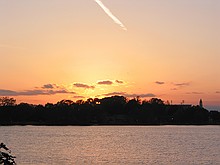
(200, 103)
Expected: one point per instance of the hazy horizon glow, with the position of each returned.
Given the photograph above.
(54, 50)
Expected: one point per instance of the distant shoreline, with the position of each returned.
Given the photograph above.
(167, 124)
(115, 110)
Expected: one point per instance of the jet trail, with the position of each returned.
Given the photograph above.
(109, 13)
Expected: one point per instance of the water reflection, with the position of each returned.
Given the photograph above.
(114, 145)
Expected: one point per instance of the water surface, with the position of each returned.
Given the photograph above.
(113, 144)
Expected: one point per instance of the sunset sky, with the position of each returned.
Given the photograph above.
(73, 49)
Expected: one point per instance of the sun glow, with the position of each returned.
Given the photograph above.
(167, 53)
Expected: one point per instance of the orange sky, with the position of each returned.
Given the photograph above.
(51, 50)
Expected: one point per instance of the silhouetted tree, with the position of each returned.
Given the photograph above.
(156, 101)
(214, 116)
(114, 104)
(108, 110)
(49, 105)
(66, 102)
(5, 156)
(133, 105)
(6, 101)
(80, 102)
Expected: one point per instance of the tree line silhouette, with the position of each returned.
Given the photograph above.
(114, 110)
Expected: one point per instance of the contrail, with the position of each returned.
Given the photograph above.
(109, 13)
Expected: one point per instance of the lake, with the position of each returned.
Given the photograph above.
(66, 145)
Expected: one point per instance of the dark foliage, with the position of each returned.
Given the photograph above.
(115, 110)
(5, 156)
(6, 101)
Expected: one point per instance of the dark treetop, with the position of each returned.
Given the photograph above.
(115, 110)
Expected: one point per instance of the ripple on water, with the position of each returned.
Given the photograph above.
(113, 144)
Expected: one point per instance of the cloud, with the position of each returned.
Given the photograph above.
(78, 97)
(4, 92)
(218, 92)
(48, 86)
(33, 92)
(130, 95)
(181, 84)
(105, 82)
(178, 86)
(109, 13)
(195, 93)
(173, 89)
(115, 93)
(64, 91)
(141, 95)
(159, 82)
(80, 85)
(119, 81)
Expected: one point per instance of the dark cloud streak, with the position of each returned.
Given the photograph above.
(33, 92)
(105, 82)
(195, 93)
(115, 93)
(130, 95)
(78, 97)
(4, 92)
(48, 86)
(182, 84)
(141, 95)
(119, 81)
(159, 82)
(81, 85)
